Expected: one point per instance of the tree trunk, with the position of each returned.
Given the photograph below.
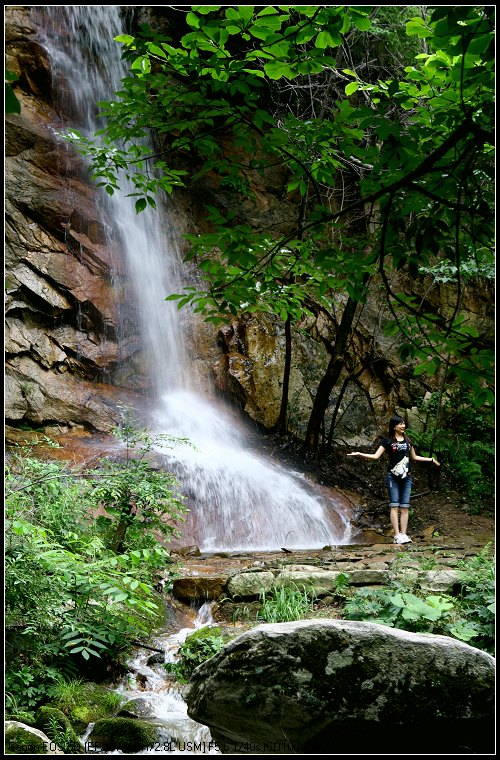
(121, 528)
(282, 423)
(336, 411)
(330, 378)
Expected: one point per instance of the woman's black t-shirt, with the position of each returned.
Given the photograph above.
(397, 450)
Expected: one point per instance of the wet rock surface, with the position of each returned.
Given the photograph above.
(230, 579)
(344, 687)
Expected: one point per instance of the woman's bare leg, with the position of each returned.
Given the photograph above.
(404, 520)
(395, 521)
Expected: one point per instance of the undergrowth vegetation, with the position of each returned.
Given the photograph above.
(285, 604)
(81, 558)
(462, 435)
(468, 616)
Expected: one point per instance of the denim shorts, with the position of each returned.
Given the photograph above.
(399, 490)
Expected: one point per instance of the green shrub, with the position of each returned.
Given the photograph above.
(462, 435)
(79, 587)
(477, 596)
(470, 617)
(197, 648)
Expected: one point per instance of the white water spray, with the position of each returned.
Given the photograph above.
(148, 692)
(238, 499)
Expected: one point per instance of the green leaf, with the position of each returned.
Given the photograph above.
(205, 9)
(362, 23)
(351, 87)
(192, 20)
(120, 597)
(12, 104)
(278, 70)
(126, 39)
(417, 26)
(326, 39)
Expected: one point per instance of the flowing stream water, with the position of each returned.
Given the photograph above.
(238, 499)
(159, 699)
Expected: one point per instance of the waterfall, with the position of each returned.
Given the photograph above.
(238, 499)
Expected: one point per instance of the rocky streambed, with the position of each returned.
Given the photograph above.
(227, 579)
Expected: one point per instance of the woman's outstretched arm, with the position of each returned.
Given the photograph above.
(377, 454)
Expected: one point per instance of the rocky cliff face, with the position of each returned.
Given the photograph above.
(62, 336)
(72, 344)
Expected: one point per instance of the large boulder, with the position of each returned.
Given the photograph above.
(345, 687)
(21, 739)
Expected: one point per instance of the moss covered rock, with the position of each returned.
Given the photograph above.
(58, 728)
(197, 647)
(125, 734)
(86, 704)
(139, 707)
(21, 739)
(22, 716)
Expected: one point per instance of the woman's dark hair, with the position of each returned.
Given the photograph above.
(395, 420)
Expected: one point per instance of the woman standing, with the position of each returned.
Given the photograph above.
(400, 450)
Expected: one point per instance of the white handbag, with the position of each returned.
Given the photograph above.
(401, 468)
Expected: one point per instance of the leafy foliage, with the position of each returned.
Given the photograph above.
(468, 617)
(71, 589)
(478, 596)
(465, 440)
(139, 500)
(390, 165)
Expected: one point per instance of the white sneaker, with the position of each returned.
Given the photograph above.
(404, 539)
(398, 539)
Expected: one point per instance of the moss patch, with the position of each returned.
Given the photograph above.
(86, 704)
(19, 741)
(125, 734)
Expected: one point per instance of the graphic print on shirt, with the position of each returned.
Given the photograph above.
(399, 456)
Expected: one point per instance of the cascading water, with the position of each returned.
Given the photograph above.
(150, 693)
(238, 499)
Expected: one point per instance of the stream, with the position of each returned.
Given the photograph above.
(158, 697)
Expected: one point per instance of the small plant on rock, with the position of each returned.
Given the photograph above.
(285, 604)
(198, 647)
